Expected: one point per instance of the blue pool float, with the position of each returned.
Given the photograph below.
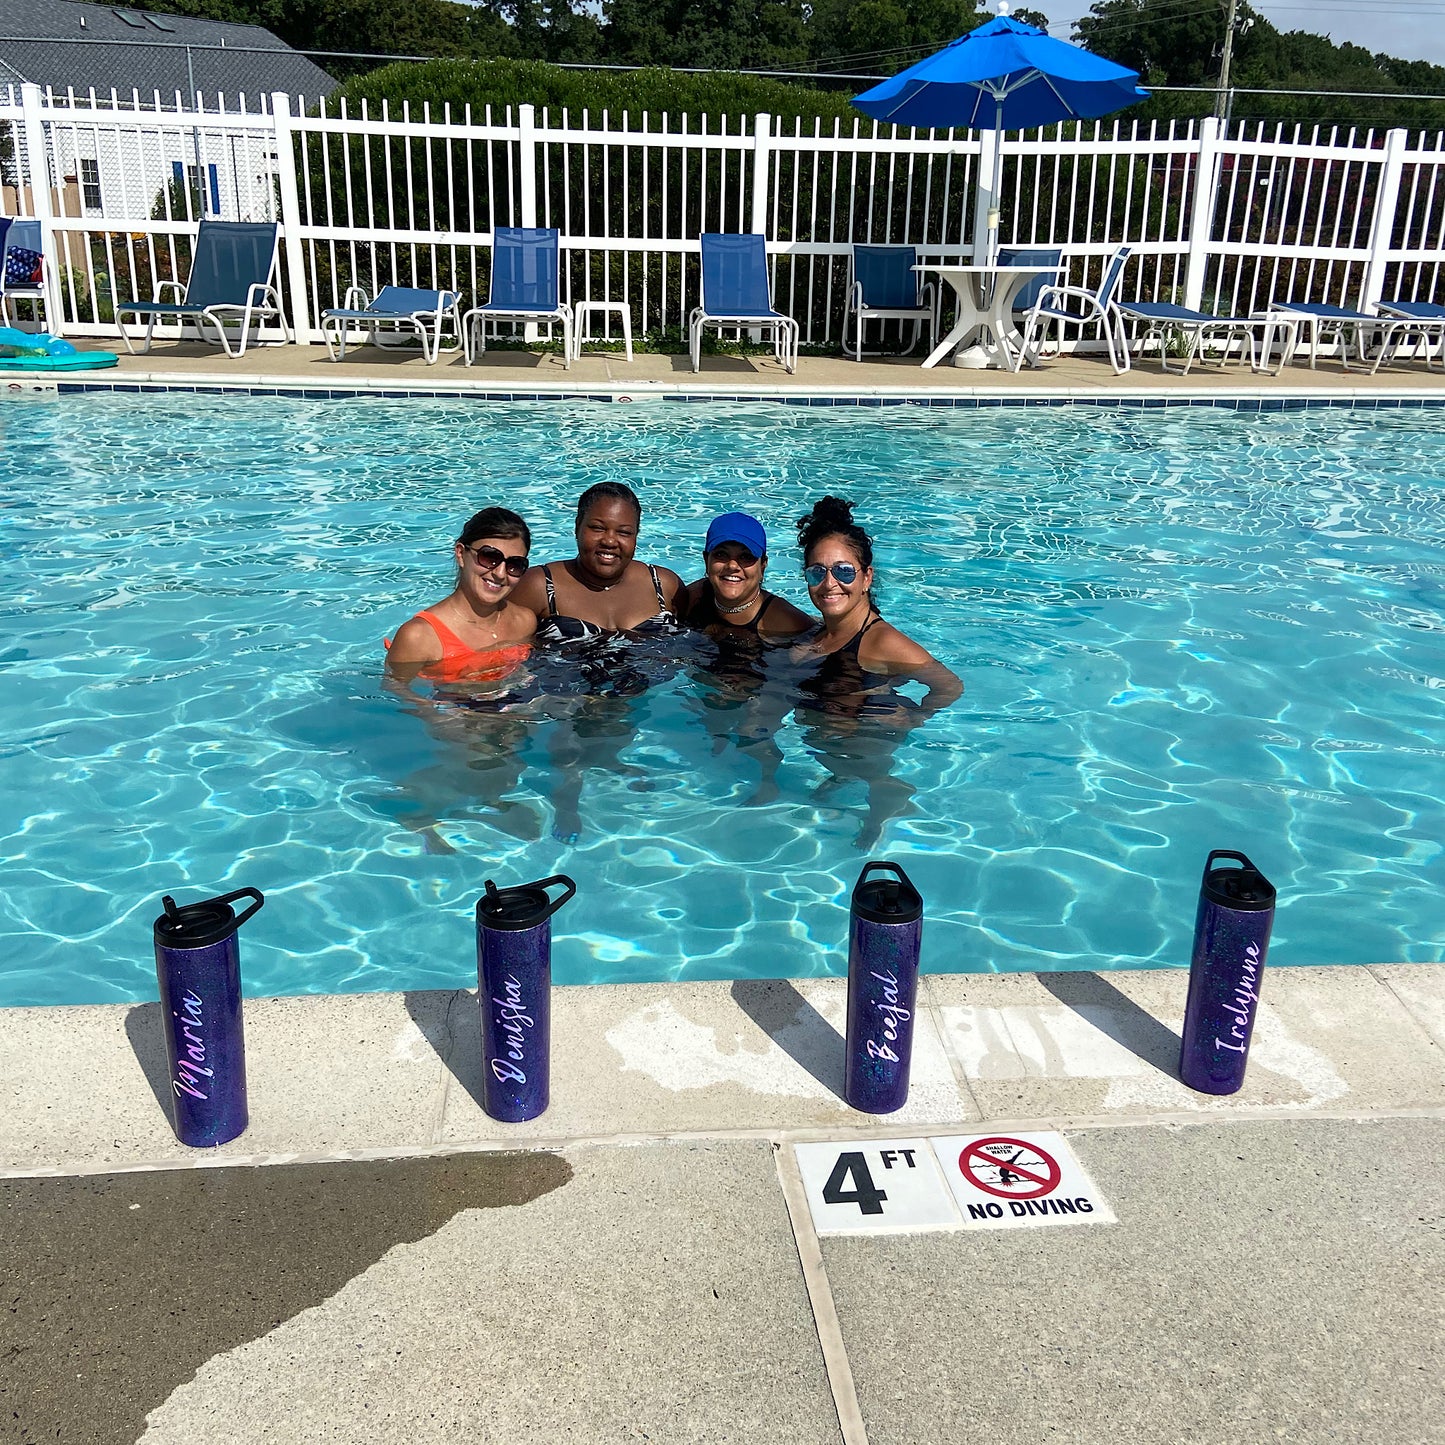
(27, 351)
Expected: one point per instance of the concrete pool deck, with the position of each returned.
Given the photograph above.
(375, 1259)
(610, 375)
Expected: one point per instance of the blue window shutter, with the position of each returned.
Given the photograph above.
(215, 191)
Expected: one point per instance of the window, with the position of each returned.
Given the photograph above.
(188, 199)
(90, 184)
(130, 18)
(160, 22)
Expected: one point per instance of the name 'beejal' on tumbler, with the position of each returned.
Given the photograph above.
(893, 1014)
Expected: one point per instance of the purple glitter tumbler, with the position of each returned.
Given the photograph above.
(883, 941)
(514, 990)
(198, 967)
(1231, 937)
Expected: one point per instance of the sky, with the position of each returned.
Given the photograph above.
(1410, 29)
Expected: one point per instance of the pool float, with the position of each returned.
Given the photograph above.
(27, 351)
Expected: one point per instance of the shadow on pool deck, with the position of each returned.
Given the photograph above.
(795, 1026)
(1114, 1014)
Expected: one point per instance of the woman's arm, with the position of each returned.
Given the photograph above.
(887, 650)
(414, 645)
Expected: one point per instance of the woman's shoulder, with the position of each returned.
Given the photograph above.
(416, 640)
(780, 617)
(521, 621)
(883, 643)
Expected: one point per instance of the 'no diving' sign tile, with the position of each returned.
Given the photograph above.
(1011, 1181)
(967, 1181)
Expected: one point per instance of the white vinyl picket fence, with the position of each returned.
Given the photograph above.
(1224, 218)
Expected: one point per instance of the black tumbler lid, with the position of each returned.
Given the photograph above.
(524, 905)
(199, 925)
(1244, 888)
(886, 900)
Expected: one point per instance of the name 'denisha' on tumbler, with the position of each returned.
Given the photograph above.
(191, 1070)
(1241, 1007)
(893, 1014)
(513, 1021)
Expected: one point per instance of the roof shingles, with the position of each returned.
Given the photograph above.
(65, 43)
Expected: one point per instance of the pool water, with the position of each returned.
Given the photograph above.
(1179, 630)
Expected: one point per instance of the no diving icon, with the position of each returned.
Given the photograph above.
(1010, 1168)
(1017, 1181)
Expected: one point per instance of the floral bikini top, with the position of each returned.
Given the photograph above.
(566, 631)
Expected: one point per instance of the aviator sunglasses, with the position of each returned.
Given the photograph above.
(489, 559)
(845, 572)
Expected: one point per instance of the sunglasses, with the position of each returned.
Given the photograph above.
(845, 572)
(489, 559)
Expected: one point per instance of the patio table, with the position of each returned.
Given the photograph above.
(985, 304)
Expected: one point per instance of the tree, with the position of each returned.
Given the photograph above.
(709, 34)
(884, 36)
(1169, 44)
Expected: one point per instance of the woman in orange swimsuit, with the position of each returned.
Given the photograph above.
(477, 634)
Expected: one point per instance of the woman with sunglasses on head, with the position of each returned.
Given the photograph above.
(477, 634)
(860, 656)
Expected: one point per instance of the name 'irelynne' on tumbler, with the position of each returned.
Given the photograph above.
(1231, 938)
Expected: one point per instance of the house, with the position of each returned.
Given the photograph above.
(109, 58)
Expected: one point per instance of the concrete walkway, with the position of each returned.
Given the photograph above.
(610, 375)
(376, 1260)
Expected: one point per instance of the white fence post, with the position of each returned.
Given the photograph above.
(291, 217)
(762, 172)
(527, 164)
(1382, 229)
(37, 157)
(1201, 211)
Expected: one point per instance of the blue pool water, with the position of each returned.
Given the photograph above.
(1178, 630)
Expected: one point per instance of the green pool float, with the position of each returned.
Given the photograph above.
(27, 351)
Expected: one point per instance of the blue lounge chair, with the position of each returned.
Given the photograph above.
(21, 266)
(396, 308)
(525, 287)
(1424, 320)
(735, 292)
(1159, 318)
(884, 287)
(232, 264)
(1089, 308)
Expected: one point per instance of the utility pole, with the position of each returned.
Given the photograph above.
(1221, 101)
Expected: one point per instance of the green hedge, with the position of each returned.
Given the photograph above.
(653, 92)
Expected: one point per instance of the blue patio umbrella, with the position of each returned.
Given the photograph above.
(1005, 75)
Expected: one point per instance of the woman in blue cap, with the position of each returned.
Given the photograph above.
(733, 694)
(729, 600)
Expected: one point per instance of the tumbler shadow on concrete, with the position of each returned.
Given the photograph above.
(448, 1020)
(795, 1026)
(145, 1031)
(1118, 1017)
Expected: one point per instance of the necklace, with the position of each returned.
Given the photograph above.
(742, 607)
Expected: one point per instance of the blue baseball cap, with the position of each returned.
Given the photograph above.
(737, 527)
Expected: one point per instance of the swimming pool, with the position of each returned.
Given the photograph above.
(1179, 630)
